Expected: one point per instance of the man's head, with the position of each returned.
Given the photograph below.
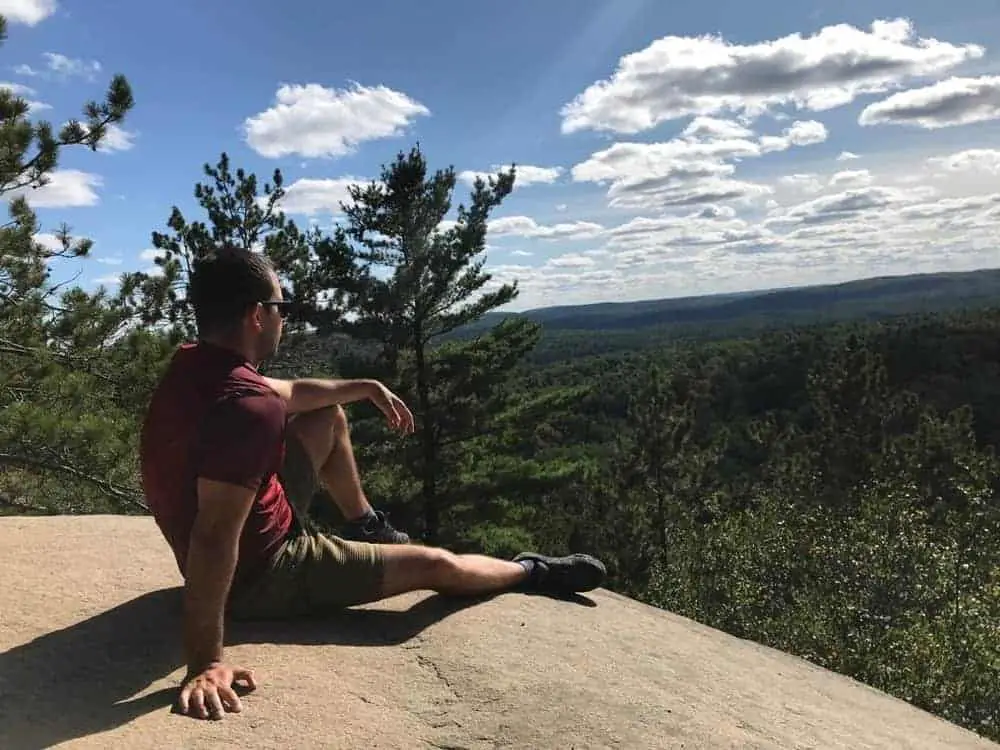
(238, 301)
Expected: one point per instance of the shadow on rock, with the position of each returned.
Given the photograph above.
(80, 680)
(77, 681)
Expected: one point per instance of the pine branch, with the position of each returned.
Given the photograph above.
(59, 465)
(10, 502)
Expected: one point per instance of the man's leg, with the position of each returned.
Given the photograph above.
(412, 568)
(324, 435)
(315, 574)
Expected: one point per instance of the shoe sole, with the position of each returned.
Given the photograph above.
(585, 572)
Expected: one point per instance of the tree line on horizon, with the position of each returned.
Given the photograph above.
(829, 490)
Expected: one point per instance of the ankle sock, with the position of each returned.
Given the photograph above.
(528, 565)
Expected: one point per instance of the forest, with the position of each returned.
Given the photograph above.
(823, 486)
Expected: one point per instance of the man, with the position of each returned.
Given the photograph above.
(230, 460)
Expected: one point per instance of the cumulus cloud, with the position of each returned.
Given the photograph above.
(805, 183)
(973, 159)
(28, 12)
(116, 138)
(66, 188)
(847, 156)
(895, 217)
(692, 169)
(851, 178)
(309, 196)
(314, 121)
(525, 226)
(677, 77)
(848, 204)
(955, 101)
(525, 175)
(804, 133)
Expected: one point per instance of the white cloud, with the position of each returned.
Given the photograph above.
(677, 77)
(847, 156)
(310, 196)
(109, 260)
(973, 159)
(525, 175)
(67, 188)
(27, 93)
(801, 133)
(314, 121)
(62, 67)
(573, 260)
(524, 226)
(692, 169)
(851, 178)
(906, 215)
(714, 128)
(955, 101)
(116, 138)
(150, 254)
(49, 241)
(28, 12)
(848, 204)
(69, 67)
(806, 183)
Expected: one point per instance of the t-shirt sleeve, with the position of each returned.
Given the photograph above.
(240, 440)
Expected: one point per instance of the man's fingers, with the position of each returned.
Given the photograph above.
(183, 700)
(198, 703)
(230, 700)
(215, 708)
(247, 676)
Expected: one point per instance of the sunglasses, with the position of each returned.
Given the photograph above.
(284, 307)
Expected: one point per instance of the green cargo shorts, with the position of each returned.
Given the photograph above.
(312, 573)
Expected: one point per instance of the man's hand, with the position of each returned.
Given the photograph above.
(210, 694)
(399, 416)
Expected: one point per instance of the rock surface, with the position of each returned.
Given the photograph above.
(89, 658)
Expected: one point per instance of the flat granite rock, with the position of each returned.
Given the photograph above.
(90, 657)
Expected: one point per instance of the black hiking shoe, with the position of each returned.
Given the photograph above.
(563, 575)
(374, 528)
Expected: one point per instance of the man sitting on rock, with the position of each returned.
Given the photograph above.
(230, 460)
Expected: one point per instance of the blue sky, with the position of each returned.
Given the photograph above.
(700, 164)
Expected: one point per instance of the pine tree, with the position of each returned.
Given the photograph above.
(61, 436)
(412, 281)
(238, 215)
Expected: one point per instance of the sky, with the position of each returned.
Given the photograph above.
(663, 149)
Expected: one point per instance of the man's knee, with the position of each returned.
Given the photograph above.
(338, 419)
(411, 567)
(438, 566)
(318, 430)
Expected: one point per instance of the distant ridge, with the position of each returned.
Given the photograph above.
(877, 296)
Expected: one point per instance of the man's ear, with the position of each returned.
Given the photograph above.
(257, 316)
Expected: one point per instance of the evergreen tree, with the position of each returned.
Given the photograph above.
(61, 436)
(239, 215)
(412, 280)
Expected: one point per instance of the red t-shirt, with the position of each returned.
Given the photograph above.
(213, 416)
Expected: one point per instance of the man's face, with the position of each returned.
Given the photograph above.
(271, 321)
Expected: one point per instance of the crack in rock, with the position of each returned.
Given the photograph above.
(428, 664)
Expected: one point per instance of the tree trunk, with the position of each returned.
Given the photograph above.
(428, 439)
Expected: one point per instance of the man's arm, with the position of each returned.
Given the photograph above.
(211, 562)
(308, 394)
